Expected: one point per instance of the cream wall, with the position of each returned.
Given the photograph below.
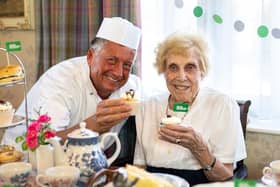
(262, 148)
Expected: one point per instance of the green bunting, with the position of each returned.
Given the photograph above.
(262, 31)
(198, 11)
(218, 19)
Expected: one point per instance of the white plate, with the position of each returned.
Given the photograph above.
(12, 83)
(223, 184)
(16, 121)
(174, 180)
(268, 181)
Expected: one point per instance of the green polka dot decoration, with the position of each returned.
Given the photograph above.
(197, 11)
(217, 19)
(262, 31)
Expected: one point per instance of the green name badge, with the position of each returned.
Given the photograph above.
(244, 183)
(181, 107)
(13, 46)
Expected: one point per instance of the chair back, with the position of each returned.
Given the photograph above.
(241, 170)
(244, 109)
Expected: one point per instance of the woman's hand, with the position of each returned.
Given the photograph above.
(189, 138)
(184, 136)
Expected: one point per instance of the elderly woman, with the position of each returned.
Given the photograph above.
(209, 139)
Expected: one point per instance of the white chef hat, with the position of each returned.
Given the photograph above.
(121, 31)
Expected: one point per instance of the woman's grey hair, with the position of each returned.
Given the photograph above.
(182, 44)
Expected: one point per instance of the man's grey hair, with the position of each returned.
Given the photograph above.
(97, 44)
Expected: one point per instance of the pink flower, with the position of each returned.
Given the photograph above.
(32, 142)
(35, 126)
(31, 134)
(49, 134)
(37, 133)
(44, 118)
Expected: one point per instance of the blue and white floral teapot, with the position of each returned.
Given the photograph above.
(82, 149)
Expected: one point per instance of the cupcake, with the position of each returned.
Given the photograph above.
(6, 112)
(134, 101)
(170, 120)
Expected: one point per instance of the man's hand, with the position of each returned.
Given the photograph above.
(109, 113)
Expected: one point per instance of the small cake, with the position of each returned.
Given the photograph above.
(133, 100)
(170, 120)
(6, 112)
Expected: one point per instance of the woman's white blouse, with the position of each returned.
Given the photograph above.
(214, 115)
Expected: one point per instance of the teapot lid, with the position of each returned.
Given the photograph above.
(83, 132)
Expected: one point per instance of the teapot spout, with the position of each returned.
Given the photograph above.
(60, 157)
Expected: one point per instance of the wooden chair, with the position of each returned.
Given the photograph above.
(241, 171)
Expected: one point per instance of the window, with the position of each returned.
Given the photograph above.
(245, 63)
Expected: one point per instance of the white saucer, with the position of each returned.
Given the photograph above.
(174, 180)
(267, 181)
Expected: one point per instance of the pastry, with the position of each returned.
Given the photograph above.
(8, 153)
(6, 112)
(131, 98)
(11, 73)
(145, 179)
(6, 148)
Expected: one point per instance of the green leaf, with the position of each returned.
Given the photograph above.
(8, 185)
(19, 139)
(24, 146)
(42, 140)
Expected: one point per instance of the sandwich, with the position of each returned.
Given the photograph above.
(145, 179)
(10, 73)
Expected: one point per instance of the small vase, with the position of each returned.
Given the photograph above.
(42, 158)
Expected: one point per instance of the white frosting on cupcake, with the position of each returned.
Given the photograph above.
(5, 105)
(171, 120)
(6, 112)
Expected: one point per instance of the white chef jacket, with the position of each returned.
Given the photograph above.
(214, 115)
(66, 93)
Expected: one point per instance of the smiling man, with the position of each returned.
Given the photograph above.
(88, 88)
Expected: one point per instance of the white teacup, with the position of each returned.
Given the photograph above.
(273, 172)
(62, 176)
(15, 173)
